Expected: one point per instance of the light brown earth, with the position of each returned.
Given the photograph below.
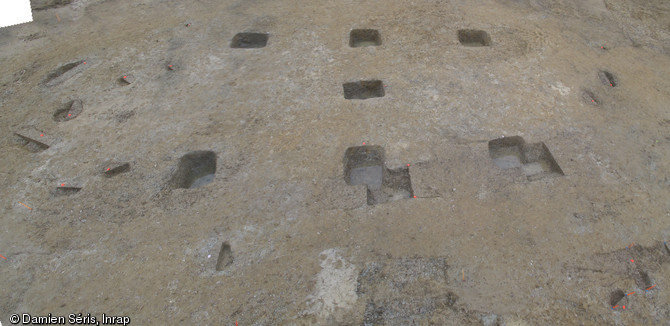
(478, 246)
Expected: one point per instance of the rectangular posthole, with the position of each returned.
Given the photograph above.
(249, 40)
(364, 165)
(541, 163)
(195, 170)
(67, 190)
(535, 160)
(71, 110)
(396, 185)
(507, 152)
(364, 89)
(474, 37)
(225, 257)
(117, 169)
(364, 37)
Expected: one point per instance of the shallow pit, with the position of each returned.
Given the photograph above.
(71, 110)
(474, 37)
(67, 190)
(396, 185)
(540, 163)
(364, 165)
(535, 160)
(225, 257)
(642, 279)
(195, 170)
(34, 140)
(607, 78)
(589, 97)
(616, 296)
(249, 40)
(63, 73)
(507, 152)
(363, 89)
(364, 37)
(122, 168)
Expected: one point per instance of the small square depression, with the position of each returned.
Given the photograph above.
(195, 170)
(365, 165)
(364, 37)
(507, 152)
(249, 40)
(474, 37)
(541, 163)
(363, 89)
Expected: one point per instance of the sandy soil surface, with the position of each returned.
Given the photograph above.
(556, 230)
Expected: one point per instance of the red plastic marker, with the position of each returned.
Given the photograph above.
(108, 169)
(624, 307)
(62, 185)
(84, 62)
(407, 164)
(414, 196)
(3, 257)
(41, 135)
(124, 77)
(363, 143)
(632, 260)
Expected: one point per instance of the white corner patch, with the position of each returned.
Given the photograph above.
(14, 12)
(335, 287)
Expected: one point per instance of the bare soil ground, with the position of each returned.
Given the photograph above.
(98, 217)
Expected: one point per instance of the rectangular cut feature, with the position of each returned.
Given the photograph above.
(364, 89)
(364, 165)
(507, 152)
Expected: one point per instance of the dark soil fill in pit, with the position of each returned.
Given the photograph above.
(225, 257)
(364, 89)
(535, 159)
(110, 172)
(70, 111)
(195, 170)
(249, 40)
(607, 78)
(364, 37)
(473, 37)
(62, 73)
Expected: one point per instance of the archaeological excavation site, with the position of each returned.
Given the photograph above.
(373, 162)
